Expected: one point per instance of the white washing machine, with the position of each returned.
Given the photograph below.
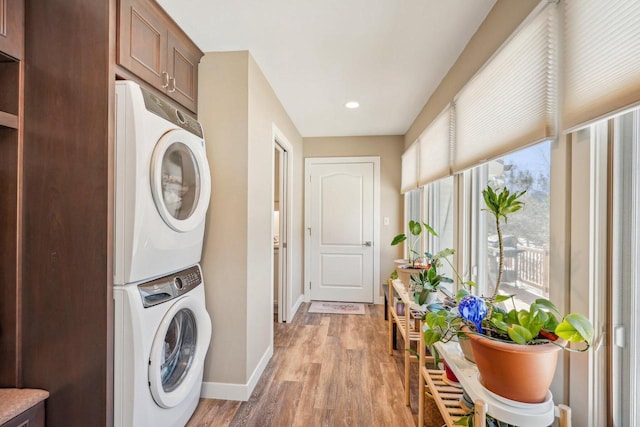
(162, 186)
(162, 333)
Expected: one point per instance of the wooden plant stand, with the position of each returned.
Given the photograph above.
(406, 326)
(448, 397)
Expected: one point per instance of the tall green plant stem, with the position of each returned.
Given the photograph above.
(500, 267)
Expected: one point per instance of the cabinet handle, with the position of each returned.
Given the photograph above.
(172, 84)
(165, 79)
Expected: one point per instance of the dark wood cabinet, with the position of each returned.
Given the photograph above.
(12, 28)
(154, 48)
(11, 136)
(33, 417)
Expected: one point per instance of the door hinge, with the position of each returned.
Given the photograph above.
(309, 285)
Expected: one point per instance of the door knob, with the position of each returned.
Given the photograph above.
(367, 243)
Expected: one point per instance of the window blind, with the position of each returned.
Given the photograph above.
(409, 180)
(435, 160)
(511, 101)
(601, 59)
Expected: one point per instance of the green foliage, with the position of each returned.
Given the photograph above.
(393, 275)
(540, 324)
(416, 229)
(429, 280)
(501, 204)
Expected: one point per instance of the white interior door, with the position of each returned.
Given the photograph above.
(341, 237)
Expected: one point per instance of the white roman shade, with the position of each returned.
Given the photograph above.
(409, 169)
(601, 58)
(435, 148)
(511, 101)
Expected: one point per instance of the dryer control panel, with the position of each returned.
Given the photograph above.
(167, 111)
(169, 287)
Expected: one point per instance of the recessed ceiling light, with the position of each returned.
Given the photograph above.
(352, 105)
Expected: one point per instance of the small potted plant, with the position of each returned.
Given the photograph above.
(416, 229)
(428, 281)
(415, 261)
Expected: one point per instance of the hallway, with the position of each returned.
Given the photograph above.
(327, 370)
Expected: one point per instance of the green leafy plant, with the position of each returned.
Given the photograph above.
(430, 279)
(415, 228)
(541, 323)
(500, 205)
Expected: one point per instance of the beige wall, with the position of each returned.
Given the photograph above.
(223, 112)
(502, 20)
(389, 149)
(238, 109)
(265, 111)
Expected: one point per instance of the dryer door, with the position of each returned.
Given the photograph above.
(177, 354)
(180, 180)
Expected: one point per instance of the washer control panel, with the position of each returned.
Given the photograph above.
(169, 287)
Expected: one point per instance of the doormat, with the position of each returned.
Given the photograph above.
(336, 307)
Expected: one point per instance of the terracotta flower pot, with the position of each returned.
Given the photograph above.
(517, 372)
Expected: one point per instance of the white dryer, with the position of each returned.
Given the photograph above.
(162, 186)
(162, 333)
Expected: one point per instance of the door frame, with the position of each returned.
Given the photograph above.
(308, 162)
(285, 304)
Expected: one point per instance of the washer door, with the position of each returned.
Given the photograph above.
(178, 351)
(180, 180)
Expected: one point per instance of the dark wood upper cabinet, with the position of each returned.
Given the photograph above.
(154, 48)
(12, 28)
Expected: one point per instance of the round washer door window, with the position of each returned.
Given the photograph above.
(178, 351)
(180, 180)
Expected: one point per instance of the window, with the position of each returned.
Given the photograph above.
(625, 273)
(525, 235)
(412, 212)
(439, 214)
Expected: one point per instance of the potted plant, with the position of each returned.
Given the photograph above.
(414, 263)
(428, 281)
(416, 229)
(516, 351)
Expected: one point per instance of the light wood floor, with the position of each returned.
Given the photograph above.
(327, 370)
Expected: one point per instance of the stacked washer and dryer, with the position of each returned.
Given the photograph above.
(162, 330)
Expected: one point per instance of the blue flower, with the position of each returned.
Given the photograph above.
(473, 309)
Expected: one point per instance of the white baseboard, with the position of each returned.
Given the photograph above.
(240, 392)
(295, 308)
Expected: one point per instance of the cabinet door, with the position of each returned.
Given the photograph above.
(142, 42)
(12, 28)
(183, 59)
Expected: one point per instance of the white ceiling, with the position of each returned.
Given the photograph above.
(389, 55)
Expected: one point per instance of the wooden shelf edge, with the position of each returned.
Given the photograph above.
(447, 398)
(8, 120)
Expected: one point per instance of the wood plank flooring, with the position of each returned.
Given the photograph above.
(327, 370)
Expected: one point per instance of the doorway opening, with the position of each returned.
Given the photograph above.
(281, 229)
